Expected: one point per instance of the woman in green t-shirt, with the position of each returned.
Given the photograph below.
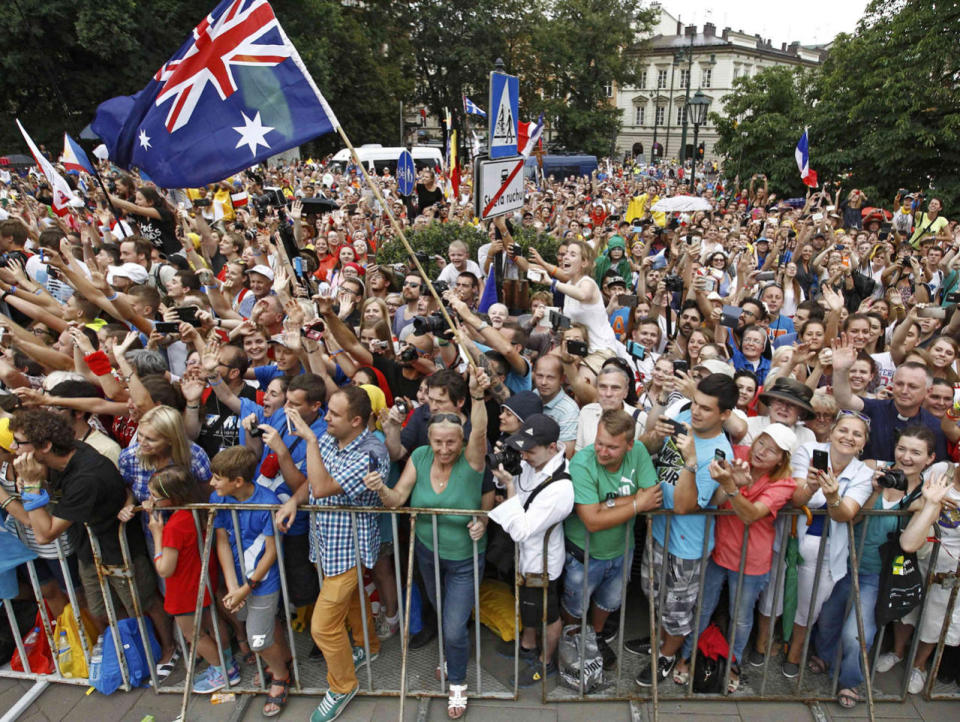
(448, 474)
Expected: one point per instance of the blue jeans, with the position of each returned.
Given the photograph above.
(832, 627)
(716, 577)
(456, 579)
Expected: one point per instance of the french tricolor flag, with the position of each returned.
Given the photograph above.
(74, 157)
(802, 154)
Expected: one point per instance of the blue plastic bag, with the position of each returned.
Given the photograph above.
(107, 678)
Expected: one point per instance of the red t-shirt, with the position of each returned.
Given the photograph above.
(180, 533)
(729, 529)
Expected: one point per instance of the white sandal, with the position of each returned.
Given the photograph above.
(457, 700)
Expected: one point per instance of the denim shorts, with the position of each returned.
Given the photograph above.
(604, 584)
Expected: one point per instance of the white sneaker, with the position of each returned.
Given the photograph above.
(887, 661)
(918, 678)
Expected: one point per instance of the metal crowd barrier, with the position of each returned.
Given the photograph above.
(414, 676)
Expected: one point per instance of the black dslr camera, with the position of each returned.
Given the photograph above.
(509, 457)
(673, 283)
(893, 479)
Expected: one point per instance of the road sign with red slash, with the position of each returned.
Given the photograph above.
(498, 186)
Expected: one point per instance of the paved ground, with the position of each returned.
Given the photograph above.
(69, 703)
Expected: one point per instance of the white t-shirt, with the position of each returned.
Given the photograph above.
(450, 273)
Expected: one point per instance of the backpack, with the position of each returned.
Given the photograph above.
(901, 581)
(105, 667)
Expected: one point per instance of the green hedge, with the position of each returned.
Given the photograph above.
(436, 238)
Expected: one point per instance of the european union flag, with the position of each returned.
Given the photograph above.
(235, 93)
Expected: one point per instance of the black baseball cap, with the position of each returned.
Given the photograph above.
(537, 430)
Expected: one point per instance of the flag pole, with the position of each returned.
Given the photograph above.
(413, 256)
(96, 174)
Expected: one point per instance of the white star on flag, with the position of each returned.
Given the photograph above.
(144, 140)
(252, 133)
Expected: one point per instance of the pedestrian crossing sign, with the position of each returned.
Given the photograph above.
(502, 117)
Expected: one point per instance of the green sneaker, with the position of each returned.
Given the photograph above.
(360, 657)
(332, 705)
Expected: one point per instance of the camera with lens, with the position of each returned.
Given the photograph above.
(408, 355)
(893, 479)
(441, 287)
(435, 323)
(673, 283)
(509, 457)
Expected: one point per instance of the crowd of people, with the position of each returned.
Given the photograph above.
(164, 347)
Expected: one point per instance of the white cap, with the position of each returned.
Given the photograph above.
(134, 271)
(716, 366)
(782, 436)
(262, 270)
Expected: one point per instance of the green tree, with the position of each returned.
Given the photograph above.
(888, 114)
(457, 42)
(883, 109)
(582, 50)
(761, 122)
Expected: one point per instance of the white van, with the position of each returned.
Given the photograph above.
(376, 157)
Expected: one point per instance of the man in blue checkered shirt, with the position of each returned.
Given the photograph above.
(336, 465)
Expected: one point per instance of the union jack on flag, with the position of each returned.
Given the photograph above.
(235, 93)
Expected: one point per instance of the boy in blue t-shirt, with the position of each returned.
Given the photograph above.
(249, 563)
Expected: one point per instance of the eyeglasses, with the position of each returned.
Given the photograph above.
(442, 417)
(850, 412)
(823, 416)
(19, 442)
(411, 285)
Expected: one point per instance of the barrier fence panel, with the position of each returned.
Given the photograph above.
(402, 671)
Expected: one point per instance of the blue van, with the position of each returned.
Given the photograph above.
(561, 166)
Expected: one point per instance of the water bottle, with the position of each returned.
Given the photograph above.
(64, 656)
(96, 659)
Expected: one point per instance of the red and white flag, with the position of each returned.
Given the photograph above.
(239, 199)
(63, 195)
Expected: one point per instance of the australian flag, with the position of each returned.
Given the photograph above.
(234, 94)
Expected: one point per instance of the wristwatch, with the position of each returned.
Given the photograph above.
(252, 583)
(611, 501)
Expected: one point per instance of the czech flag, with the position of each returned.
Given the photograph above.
(802, 154)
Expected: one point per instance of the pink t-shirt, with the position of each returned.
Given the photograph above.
(729, 529)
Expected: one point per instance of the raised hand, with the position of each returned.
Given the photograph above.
(844, 354)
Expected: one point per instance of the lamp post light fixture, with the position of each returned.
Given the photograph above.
(697, 108)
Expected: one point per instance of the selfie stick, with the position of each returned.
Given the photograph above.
(399, 231)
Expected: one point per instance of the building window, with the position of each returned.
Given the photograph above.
(642, 82)
(707, 75)
(660, 113)
(608, 90)
(681, 114)
(684, 78)
(661, 79)
(639, 115)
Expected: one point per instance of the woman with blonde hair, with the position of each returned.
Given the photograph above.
(160, 442)
(374, 309)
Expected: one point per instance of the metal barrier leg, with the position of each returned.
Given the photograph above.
(396, 565)
(584, 610)
(915, 643)
(285, 600)
(138, 611)
(652, 612)
(85, 644)
(696, 625)
(214, 618)
(405, 639)
(627, 535)
(476, 609)
(948, 619)
(813, 601)
(438, 595)
(240, 551)
(777, 590)
(735, 615)
(46, 626)
(17, 638)
(362, 592)
(198, 620)
(108, 606)
(855, 580)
